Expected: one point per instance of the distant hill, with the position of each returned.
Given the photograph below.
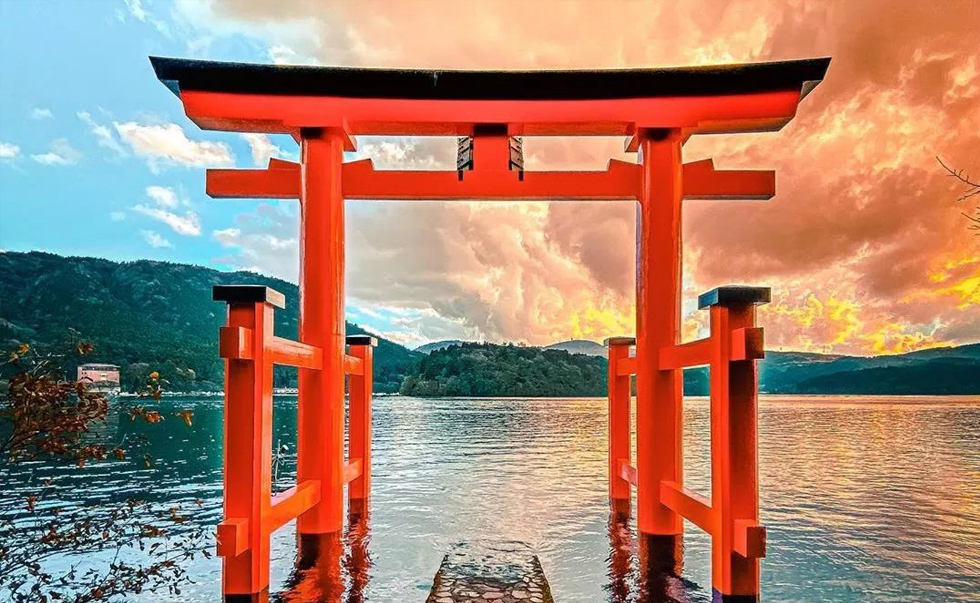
(932, 375)
(579, 346)
(945, 370)
(572, 346)
(428, 348)
(146, 316)
(484, 369)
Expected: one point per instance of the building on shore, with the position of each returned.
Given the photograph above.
(100, 377)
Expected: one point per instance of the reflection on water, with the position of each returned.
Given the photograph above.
(331, 567)
(866, 500)
(646, 569)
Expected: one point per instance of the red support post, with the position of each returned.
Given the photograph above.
(248, 440)
(320, 417)
(360, 387)
(738, 540)
(491, 148)
(619, 421)
(658, 292)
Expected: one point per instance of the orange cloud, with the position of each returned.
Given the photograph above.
(864, 244)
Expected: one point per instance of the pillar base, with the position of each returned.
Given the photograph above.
(621, 508)
(661, 563)
(357, 509)
(313, 547)
(317, 575)
(717, 597)
(262, 597)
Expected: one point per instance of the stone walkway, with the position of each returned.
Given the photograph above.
(507, 572)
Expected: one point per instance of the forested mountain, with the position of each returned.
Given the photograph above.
(938, 371)
(579, 346)
(947, 370)
(432, 346)
(148, 315)
(481, 369)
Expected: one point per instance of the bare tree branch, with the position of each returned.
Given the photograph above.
(972, 188)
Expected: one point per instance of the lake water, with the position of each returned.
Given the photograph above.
(866, 499)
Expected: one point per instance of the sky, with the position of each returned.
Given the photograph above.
(865, 244)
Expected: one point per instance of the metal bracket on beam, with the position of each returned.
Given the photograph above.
(516, 144)
(464, 155)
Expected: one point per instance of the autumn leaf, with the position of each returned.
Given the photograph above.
(30, 503)
(187, 416)
(23, 349)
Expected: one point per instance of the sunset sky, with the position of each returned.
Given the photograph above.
(864, 245)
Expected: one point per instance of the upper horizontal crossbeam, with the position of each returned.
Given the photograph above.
(361, 181)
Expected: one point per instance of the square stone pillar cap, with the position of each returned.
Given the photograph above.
(248, 294)
(362, 340)
(735, 296)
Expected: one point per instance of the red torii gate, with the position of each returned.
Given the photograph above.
(657, 110)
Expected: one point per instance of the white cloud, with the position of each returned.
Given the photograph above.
(262, 148)
(102, 133)
(136, 9)
(199, 46)
(117, 216)
(266, 241)
(8, 150)
(162, 196)
(155, 240)
(61, 153)
(41, 113)
(280, 54)
(165, 199)
(168, 144)
(188, 224)
(138, 12)
(228, 237)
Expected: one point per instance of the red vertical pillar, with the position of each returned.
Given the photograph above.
(739, 540)
(247, 436)
(359, 419)
(658, 298)
(619, 421)
(320, 447)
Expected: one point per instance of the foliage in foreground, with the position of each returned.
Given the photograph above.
(51, 547)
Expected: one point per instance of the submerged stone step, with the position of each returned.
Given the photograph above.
(501, 572)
